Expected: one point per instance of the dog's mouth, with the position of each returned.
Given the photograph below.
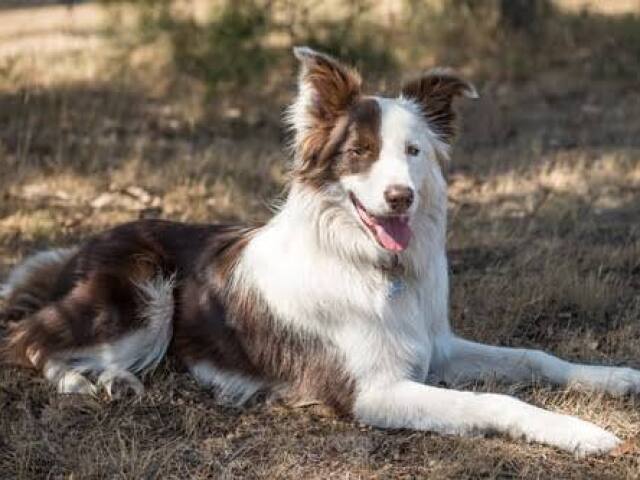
(392, 232)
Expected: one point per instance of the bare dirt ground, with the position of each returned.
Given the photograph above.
(544, 247)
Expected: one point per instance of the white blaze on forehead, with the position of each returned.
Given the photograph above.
(400, 126)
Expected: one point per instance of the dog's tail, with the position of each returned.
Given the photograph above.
(31, 283)
(29, 287)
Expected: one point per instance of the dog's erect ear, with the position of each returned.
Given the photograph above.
(326, 87)
(434, 92)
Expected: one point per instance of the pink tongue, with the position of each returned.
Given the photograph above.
(393, 233)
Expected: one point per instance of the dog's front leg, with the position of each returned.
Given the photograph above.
(457, 360)
(407, 404)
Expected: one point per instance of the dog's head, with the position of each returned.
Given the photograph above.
(377, 157)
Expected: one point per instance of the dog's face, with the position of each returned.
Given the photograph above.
(378, 153)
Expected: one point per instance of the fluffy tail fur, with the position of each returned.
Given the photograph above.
(31, 284)
(28, 288)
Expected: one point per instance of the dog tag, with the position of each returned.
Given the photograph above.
(397, 287)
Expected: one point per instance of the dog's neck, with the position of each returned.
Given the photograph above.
(319, 220)
(394, 267)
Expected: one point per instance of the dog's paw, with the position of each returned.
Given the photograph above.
(594, 441)
(622, 381)
(74, 382)
(612, 380)
(120, 384)
(579, 437)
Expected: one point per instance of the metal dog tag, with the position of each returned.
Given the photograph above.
(397, 287)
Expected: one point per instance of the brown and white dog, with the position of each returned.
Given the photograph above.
(341, 297)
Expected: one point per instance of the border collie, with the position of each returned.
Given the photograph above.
(341, 298)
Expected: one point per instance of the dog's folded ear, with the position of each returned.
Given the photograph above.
(434, 92)
(326, 87)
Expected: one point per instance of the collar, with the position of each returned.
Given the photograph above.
(393, 268)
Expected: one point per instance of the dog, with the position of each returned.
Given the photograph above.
(342, 297)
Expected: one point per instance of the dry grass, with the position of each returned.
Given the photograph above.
(544, 246)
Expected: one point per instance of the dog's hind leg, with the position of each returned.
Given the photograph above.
(459, 361)
(107, 326)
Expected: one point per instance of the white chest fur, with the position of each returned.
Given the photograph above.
(383, 331)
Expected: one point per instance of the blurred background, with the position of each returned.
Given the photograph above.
(183, 99)
(112, 111)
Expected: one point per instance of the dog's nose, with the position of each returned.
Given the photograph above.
(399, 198)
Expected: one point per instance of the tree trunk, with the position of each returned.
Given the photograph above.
(522, 15)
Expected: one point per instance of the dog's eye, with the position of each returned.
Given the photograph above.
(412, 150)
(357, 151)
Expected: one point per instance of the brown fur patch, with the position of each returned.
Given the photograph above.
(362, 142)
(343, 136)
(305, 362)
(335, 86)
(233, 329)
(97, 301)
(434, 92)
(94, 298)
(352, 145)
